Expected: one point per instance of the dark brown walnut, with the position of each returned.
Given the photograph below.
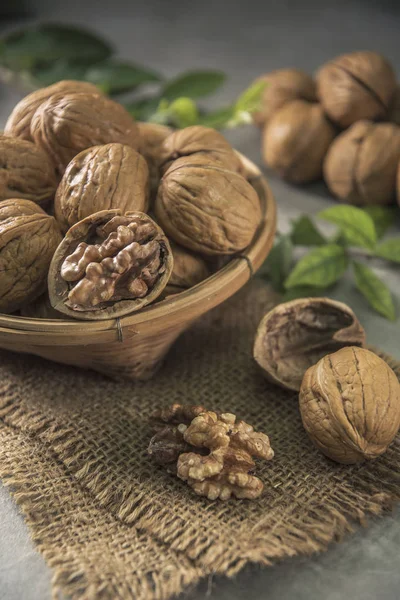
(25, 172)
(207, 208)
(28, 240)
(294, 336)
(398, 184)
(356, 86)
(189, 270)
(200, 141)
(66, 124)
(109, 265)
(211, 451)
(296, 140)
(41, 309)
(394, 112)
(102, 178)
(350, 405)
(283, 86)
(152, 136)
(19, 122)
(361, 164)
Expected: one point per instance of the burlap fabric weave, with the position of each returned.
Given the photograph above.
(113, 525)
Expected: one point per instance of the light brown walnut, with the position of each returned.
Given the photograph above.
(152, 136)
(109, 265)
(102, 178)
(189, 270)
(350, 405)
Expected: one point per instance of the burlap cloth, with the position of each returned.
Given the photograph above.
(113, 525)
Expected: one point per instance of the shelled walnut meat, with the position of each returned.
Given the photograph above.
(25, 171)
(108, 265)
(350, 405)
(102, 178)
(295, 335)
(19, 122)
(283, 86)
(28, 240)
(189, 269)
(211, 451)
(296, 140)
(206, 207)
(198, 141)
(356, 86)
(66, 124)
(361, 164)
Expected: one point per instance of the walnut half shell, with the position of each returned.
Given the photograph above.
(109, 265)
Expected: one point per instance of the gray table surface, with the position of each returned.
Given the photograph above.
(244, 39)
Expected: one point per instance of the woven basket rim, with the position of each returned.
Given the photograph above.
(186, 306)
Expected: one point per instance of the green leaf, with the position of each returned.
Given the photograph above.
(250, 100)
(218, 119)
(114, 77)
(356, 225)
(374, 290)
(389, 249)
(279, 262)
(58, 71)
(46, 43)
(143, 109)
(305, 233)
(302, 291)
(320, 268)
(194, 84)
(382, 216)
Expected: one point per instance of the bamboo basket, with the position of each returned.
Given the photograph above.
(133, 346)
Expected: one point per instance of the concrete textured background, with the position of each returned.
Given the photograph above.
(244, 39)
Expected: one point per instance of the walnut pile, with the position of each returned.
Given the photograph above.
(211, 451)
(108, 265)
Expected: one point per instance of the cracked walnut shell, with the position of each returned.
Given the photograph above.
(350, 405)
(25, 171)
(206, 207)
(66, 124)
(109, 265)
(356, 86)
(102, 178)
(211, 451)
(294, 336)
(28, 239)
(19, 122)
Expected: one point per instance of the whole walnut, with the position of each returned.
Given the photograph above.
(28, 240)
(152, 136)
(294, 335)
(25, 171)
(41, 308)
(356, 86)
(200, 141)
(19, 122)
(108, 265)
(394, 112)
(283, 86)
(207, 208)
(66, 124)
(189, 269)
(350, 405)
(296, 140)
(360, 166)
(102, 178)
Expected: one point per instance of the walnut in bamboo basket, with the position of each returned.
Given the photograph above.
(28, 240)
(189, 269)
(361, 164)
(206, 207)
(296, 140)
(152, 136)
(108, 265)
(102, 178)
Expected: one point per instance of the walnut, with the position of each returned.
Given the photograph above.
(293, 336)
(394, 112)
(25, 172)
(198, 140)
(356, 86)
(207, 208)
(102, 178)
(283, 86)
(350, 405)
(189, 270)
(360, 166)
(19, 122)
(28, 239)
(41, 309)
(211, 451)
(66, 124)
(152, 136)
(109, 265)
(296, 140)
